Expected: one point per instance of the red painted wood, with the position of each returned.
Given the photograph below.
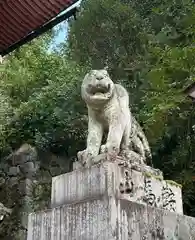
(19, 17)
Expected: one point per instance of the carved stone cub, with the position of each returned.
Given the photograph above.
(108, 111)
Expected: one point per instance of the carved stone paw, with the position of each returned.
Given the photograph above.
(85, 158)
(110, 150)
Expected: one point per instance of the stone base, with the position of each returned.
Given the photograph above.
(113, 200)
(141, 184)
(108, 219)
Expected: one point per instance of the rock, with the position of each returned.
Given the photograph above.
(28, 169)
(14, 171)
(55, 171)
(12, 181)
(2, 181)
(4, 211)
(24, 154)
(25, 187)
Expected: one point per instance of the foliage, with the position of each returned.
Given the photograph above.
(44, 91)
(112, 38)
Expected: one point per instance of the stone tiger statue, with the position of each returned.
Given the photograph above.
(109, 112)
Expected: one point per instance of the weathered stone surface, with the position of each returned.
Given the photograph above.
(88, 183)
(17, 189)
(26, 153)
(13, 171)
(2, 181)
(18, 193)
(39, 226)
(88, 220)
(108, 219)
(26, 187)
(108, 179)
(153, 223)
(12, 182)
(28, 168)
(4, 211)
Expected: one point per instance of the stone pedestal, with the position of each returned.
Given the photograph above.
(112, 201)
(141, 184)
(109, 219)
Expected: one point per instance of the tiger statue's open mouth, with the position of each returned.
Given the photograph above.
(97, 86)
(99, 89)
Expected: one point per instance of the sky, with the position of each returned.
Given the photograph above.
(62, 34)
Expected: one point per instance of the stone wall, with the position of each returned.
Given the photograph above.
(25, 186)
(17, 175)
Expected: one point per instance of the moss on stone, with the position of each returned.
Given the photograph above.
(150, 175)
(160, 178)
(171, 182)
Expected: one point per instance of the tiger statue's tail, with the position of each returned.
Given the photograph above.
(139, 142)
